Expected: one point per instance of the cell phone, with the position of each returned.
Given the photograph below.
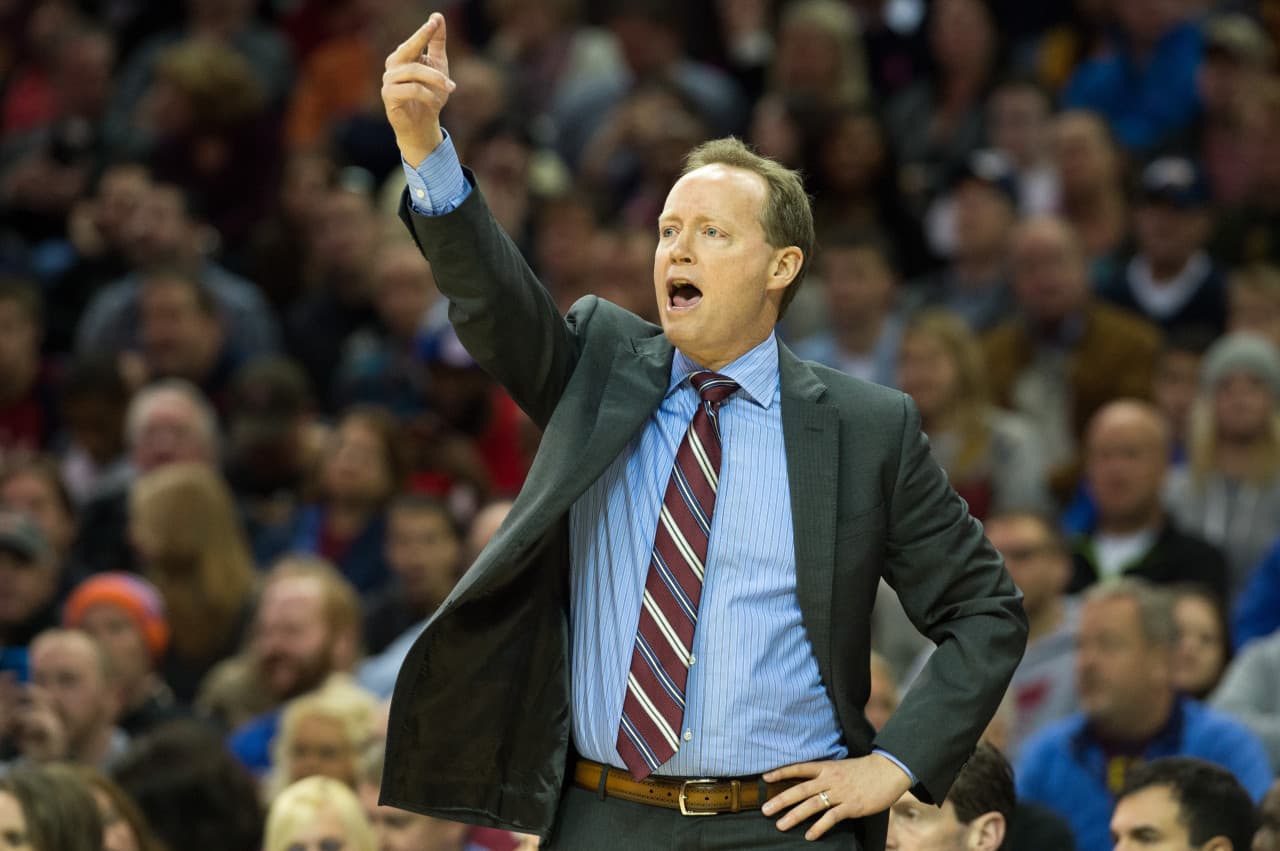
(15, 659)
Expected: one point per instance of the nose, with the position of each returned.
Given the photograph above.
(680, 251)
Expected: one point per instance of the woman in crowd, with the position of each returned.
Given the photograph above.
(989, 454)
(324, 733)
(47, 808)
(1204, 646)
(34, 486)
(1230, 492)
(360, 472)
(188, 537)
(318, 812)
(124, 828)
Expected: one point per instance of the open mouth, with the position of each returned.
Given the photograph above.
(682, 295)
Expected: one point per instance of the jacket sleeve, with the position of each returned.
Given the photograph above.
(1248, 693)
(502, 313)
(955, 589)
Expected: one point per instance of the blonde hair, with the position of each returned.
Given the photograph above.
(1202, 445)
(340, 700)
(218, 81)
(307, 800)
(972, 395)
(201, 565)
(840, 22)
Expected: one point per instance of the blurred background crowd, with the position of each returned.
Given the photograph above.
(243, 457)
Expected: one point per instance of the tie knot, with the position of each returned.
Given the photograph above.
(712, 386)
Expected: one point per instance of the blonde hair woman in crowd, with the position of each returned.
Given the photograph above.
(318, 812)
(324, 734)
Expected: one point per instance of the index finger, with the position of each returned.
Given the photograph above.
(412, 48)
(799, 769)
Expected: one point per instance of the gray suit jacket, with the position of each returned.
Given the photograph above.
(480, 728)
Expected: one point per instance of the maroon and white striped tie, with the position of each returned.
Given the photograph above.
(653, 708)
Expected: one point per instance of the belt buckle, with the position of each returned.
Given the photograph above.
(684, 792)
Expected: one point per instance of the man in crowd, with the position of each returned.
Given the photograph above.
(1131, 713)
(974, 817)
(30, 584)
(1183, 804)
(1127, 451)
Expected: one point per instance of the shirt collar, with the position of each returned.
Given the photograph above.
(756, 371)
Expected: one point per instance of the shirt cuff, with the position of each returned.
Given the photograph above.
(437, 186)
(884, 753)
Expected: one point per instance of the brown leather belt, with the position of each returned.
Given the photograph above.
(692, 797)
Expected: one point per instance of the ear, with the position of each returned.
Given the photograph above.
(1220, 843)
(784, 267)
(986, 832)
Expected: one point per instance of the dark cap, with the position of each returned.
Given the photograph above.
(1175, 180)
(992, 168)
(21, 537)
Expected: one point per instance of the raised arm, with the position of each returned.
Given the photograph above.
(502, 313)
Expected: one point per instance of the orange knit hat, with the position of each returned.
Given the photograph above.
(130, 593)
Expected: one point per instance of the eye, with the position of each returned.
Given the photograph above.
(666, 232)
(713, 232)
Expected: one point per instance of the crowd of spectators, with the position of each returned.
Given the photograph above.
(243, 457)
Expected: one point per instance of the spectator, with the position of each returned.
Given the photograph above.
(1238, 56)
(1145, 84)
(1268, 836)
(193, 793)
(1248, 232)
(95, 402)
(1131, 714)
(318, 812)
(380, 367)
(401, 830)
(819, 54)
(1254, 301)
(1256, 612)
(362, 470)
(1171, 280)
(1091, 174)
(72, 704)
(126, 615)
(168, 422)
(975, 815)
(424, 550)
(864, 318)
(279, 256)
(306, 629)
(935, 124)
(166, 231)
(32, 486)
(977, 215)
(323, 733)
(1204, 645)
(1176, 385)
(31, 584)
(1066, 354)
(1126, 459)
(124, 828)
(49, 809)
(182, 335)
(184, 527)
(883, 698)
(28, 400)
(1019, 124)
(990, 455)
(1183, 802)
(1230, 491)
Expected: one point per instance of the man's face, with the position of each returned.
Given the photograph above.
(915, 826)
(159, 231)
(1037, 567)
(33, 495)
(984, 216)
(171, 433)
(19, 349)
(346, 231)
(292, 642)
(178, 338)
(858, 282)
(711, 271)
(1168, 235)
(1118, 671)
(120, 193)
(120, 637)
(1176, 385)
(1149, 819)
(398, 830)
(1049, 276)
(68, 670)
(1017, 119)
(1083, 154)
(25, 588)
(403, 290)
(1125, 463)
(424, 552)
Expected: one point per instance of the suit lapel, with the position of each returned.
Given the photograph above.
(811, 434)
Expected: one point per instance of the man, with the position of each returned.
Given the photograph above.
(305, 629)
(974, 817)
(168, 422)
(30, 582)
(1126, 458)
(1131, 714)
(1019, 120)
(1067, 354)
(70, 708)
(1183, 804)
(1171, 280)
(126, 615)
(540, 666)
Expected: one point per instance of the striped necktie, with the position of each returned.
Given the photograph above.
(653, 707)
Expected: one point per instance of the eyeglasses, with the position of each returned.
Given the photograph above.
(326, 844)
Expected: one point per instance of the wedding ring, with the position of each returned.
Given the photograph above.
(825, 800)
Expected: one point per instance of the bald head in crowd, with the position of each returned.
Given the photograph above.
(171, 421)
(1049, 269)
(1126, 457)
